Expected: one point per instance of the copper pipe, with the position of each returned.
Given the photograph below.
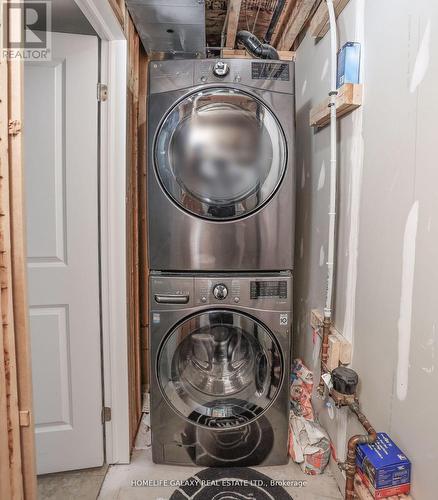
(350, 464)
(326, 328)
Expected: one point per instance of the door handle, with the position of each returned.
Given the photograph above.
(171, 299)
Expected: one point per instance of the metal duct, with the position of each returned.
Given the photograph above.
(170, 28)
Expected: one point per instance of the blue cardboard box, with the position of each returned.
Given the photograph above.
(348, 64)
(383, 463)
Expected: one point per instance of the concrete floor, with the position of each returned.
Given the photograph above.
(73, 485)
(86, 484)
(117, 484)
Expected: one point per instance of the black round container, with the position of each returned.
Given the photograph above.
(345, 380)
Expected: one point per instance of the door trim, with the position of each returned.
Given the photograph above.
(113, 226)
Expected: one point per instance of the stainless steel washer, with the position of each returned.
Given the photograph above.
(221, 165)
(220, 356)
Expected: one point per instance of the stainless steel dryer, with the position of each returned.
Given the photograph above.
(221, 165)
(220, 355)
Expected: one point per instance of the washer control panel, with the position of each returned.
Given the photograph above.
(243, 291)
(266, 292)
(216, 291)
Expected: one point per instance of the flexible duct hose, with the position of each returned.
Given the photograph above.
(255, 47)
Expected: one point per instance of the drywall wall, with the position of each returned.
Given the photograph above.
(388, 224)
(313, 165)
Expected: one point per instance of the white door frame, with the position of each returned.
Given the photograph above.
(113, 226)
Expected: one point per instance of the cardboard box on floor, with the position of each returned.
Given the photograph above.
(363, 493)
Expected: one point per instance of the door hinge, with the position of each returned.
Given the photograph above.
(102, 92)
(106, 414)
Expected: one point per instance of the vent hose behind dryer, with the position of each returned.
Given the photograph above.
(255, 47)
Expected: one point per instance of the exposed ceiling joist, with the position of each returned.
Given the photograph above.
(255, 16)
(295, 23)
(232, 22)
(284, 16)
(319, 25)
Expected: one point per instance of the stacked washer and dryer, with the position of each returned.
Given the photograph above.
(221, 225)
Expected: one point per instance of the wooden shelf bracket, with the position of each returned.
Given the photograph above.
(348, 99)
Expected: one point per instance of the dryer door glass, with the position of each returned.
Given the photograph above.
(220, 369)
(220, 154)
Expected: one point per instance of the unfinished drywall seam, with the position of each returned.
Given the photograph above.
(407, 289)
(422, 60)
(409, 239)
(321, 179)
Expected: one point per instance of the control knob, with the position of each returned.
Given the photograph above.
(220, 292)
(221, 69)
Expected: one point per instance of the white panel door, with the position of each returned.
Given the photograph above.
(61, 167)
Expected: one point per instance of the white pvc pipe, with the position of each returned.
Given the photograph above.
(333, 162)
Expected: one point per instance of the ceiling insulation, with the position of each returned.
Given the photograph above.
(255, 16)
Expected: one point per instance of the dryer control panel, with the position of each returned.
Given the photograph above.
(274, 76)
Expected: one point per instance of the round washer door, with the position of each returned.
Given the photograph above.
(220, 154)
(220, 369)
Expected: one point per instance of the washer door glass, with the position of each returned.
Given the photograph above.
(220, 153)
(220, 369)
